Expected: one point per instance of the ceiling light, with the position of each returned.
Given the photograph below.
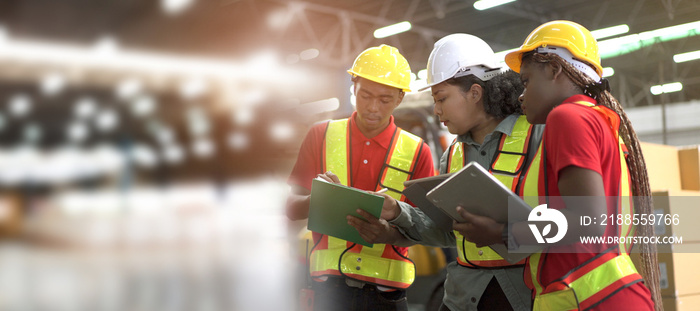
(20, 105)
(244, 116)
(309, 54)
(608, 71)
(173, 154)
(52, 84)
(686, 57)
(392, 30)
(325, 105)
(143, 155)
(418, 84)
(106, 45)
(107, 120)
(203, 148)
(238, 141)
(77, 132)
(85, 108)
(198, 122)
(281, 131)
(143, 106)
(423, 74)
(193, 88)
(487, 4)
(610, 31)
(666, 88)
(630, 43)
(175, 6)
(128, 88)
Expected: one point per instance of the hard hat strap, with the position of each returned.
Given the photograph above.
(569, 58)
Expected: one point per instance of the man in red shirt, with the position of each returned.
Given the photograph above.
(369, 152)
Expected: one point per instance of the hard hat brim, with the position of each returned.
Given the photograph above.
(380, 81)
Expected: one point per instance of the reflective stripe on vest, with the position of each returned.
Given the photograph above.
(588, 285)
(381, 264)
(605, 274)
(506, 167)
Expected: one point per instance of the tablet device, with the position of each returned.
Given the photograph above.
(480, 193)
(416, 190)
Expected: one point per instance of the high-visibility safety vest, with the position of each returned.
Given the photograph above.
(606, 273)
(507, 167)
(382, 264)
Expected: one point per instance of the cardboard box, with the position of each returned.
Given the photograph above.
(689, 161)
(682, 303)
(679, 274)
(662, 166)
(682, 205)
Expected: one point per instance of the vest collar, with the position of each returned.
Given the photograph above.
(383, 139)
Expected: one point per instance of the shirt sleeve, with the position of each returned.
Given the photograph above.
(413, 224)
(308, 163)
(573, 137)
(418, 227)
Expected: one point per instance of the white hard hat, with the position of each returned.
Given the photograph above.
(459, 55)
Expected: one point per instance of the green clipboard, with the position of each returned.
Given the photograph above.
(331, 203)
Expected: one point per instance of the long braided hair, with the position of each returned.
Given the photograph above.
(635, 161)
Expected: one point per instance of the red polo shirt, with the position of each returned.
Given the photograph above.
(577, 135)
(367, 157)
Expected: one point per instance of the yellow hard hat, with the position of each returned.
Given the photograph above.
(565, 34)
(383, 64)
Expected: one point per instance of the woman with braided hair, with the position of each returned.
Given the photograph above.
(589, 164)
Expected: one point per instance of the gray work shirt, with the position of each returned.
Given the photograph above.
(464, 286)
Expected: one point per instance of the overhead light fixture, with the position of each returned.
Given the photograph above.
(85, 107)
(610, 31)
(392, 30)
(686, 57)
(309, 54)
(238, 141)
(320, 106)
(281, 131)
(418, 84)
(107, 120)
(487, 4)
(174, 7)
(203, 147)
(423, 74)
(666, 88)
(630, 43)
(608, 71)
(20, 105)
(53, 83)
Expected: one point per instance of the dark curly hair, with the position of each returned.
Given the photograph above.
(501, 93)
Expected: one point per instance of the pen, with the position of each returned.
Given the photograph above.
(383, 190)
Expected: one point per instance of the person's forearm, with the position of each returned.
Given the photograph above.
(420, 229)
(399, 240)
(298, 206)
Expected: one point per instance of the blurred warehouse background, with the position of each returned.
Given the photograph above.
(145, 144)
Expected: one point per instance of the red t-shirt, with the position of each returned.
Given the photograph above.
(577, 135)
(368, 156)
